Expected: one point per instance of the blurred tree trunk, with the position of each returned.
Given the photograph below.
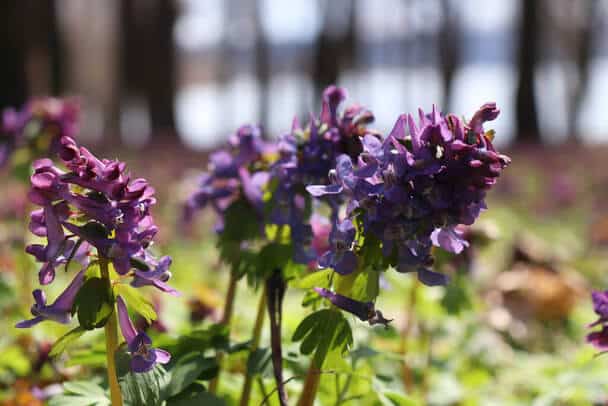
(44, 60)
(160, 63)
(449, 50)
(148, 59)
(13, 80)
(583, 49)
(527, 129)
(335, 51)
(262, 69)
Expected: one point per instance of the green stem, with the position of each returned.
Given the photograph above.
(255, 343)
(410, 311)
(111, 333)
(311, 385)
(226, 317)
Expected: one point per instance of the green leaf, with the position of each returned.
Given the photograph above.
(94, 303)
(144, 389)
(188, 369)
(196, 399)
(136, 301)
(258, 361)
(6, 292)
(321, 332)
(81, 393)
(240, 222)
(84, 388)
(318, 279)
(457, 296)
(69, 337)
(213, 337)
(273, 256)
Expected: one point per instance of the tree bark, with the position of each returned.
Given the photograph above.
(449, 51)
(13, 80)
(527, 127)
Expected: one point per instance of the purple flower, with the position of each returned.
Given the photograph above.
(60, 310)
(412, 189)
(143, 356)
(450, 239)
(233, 173)
(340, 256)
(600, 306)
(44, 117)
(97, 202)
(319, 153)
(156, 276)
(365, 311)
(599, 339)
(94, 204)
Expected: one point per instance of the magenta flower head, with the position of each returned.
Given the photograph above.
(92, 209)
(599, 339)
(143, 356)
(41, 122)
(93, 204)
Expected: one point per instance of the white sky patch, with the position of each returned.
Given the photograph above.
(475, 85)
(198, 115)
(292, 20)
(594, 120)
(201, 24)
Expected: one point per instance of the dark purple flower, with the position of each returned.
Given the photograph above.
(232, 173)
(156, 276)
(414, 188)
(319, 153)
(599, 339)
(60, 310)
(365, 311)
(600, 306)
(143, 356)
(340, 256)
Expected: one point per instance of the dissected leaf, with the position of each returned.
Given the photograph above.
(317, 279)
(258, 361)
(322, 331)
(144, 389)
(136, 301)
(188, 369)
(69, 337)
(81, 393)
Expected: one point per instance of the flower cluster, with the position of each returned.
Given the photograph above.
(40, 124)
(410, 191)
(94, 204)
(238, 171)
(390, 199)
(599, 339)
(306, 157)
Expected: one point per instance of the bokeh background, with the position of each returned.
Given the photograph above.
(190, 71)
(162, 82)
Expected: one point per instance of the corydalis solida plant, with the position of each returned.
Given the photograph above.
(93, 213)
(389, 199)
(405, 194)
